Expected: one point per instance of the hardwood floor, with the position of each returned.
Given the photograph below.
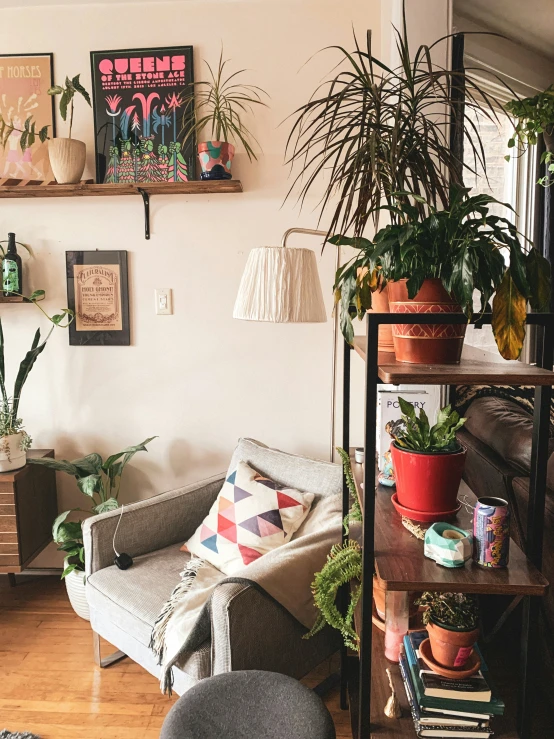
(50, 686)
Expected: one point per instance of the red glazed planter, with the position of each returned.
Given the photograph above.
(428, 483)
(425, 343)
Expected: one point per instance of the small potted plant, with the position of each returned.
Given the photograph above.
(220, 103)
(535, 116)
(428, 463)
(99, 480)
(452, 621)
(67, 155)
(14, 440)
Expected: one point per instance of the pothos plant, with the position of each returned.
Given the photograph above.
(100, 481)
(68, 92)
(535, 116)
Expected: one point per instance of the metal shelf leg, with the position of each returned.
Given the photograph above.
(345, 509)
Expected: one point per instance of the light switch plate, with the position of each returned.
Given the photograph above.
(163, 301)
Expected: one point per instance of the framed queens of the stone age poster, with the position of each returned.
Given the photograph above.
(24, 83)
(98, 294)
(140, 99)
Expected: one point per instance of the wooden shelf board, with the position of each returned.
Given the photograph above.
(202, 187)
(467, 372)
(15, 299)
(401, 565)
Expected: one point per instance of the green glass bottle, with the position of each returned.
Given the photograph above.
(12, 270)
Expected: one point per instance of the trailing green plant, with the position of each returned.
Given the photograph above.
(28, 134)
(534, 116)
(355, 512)
(416, 433)
(454, 610)
(68, 92)
(100, 481)
(372, 131)
(344, 564)
(219, 104)
(463, 246)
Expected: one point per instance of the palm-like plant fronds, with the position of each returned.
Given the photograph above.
(375, 132)
(220, 103)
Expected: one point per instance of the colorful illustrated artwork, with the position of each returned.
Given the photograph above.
(24, 81)
(139, 103)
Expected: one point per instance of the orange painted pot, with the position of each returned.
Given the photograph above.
(215, 159)
(380, 304)
(451, 648)
(425, 343)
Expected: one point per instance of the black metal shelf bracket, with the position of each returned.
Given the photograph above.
(146, 201)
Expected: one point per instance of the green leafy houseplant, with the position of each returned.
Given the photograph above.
(28, 134)
(463, 246)
(535, 116)
(68, 92)
(100, 481)
(450, 610)
(417, 434)
(219, 105)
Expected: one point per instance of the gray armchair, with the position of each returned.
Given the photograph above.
(250, 630)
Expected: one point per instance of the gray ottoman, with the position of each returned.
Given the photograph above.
(246, 705)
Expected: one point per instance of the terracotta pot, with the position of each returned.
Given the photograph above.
(67, 159)
(451, 648)
(428, 482)
(431, 343)
(380, 303)
(215, 160)
(548, 140)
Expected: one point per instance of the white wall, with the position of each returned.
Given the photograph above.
(198, 379)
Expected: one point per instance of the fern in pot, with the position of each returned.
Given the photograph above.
(218, 105)
(428, 463)
(99, 480)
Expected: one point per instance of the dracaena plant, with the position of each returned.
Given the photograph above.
(455, 610)
(373, 131)
(415, 433)
(465, 246)
(99, 480)
(68, 92)
(219, 104)
(534, 116)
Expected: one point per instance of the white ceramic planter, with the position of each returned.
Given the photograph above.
(75, 584)
(67, 159)
(11, 455)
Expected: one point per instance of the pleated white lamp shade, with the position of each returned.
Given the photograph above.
(281, 285)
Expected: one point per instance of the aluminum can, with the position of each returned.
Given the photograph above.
(491, 532)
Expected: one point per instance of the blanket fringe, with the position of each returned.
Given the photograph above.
(157, 639)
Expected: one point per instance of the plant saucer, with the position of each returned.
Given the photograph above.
(470, 668)
(423, 516)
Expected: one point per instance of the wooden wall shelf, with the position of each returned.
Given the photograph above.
(15, 299)
(145, 189)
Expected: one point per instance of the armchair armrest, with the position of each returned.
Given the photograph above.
(150, 524)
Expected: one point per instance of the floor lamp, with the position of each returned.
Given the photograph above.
(281, 284)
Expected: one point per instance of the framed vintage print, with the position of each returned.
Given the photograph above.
(98, 294)
(139, 99)
(24, 83)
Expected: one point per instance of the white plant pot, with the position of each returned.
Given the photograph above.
(67, 159)
(11, 455)
(75, 584)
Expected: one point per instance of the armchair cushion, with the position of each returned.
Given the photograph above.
(251, 516)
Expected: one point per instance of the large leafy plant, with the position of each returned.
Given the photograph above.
(100, 481)
(219, 104)
(454, 610)
(415, 433)
(534, 116)
(462, 245)
(373, 131)
(68, 92)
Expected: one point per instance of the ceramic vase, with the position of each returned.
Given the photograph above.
(12, 457)
(67, 159)
(215, 160)
(75, 583)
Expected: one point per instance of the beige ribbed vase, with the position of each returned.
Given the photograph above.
(76, 590)
(67, 159)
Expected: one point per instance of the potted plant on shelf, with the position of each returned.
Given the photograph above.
(452, 624)
(428, 463)
(27, 135)
(535, 116)
(220, 104)
(436, 264)
(67, 155)
(100, 481)
(14, 440)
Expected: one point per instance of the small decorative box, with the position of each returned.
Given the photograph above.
(448, 545)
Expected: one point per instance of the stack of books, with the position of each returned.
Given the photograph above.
(443, 707)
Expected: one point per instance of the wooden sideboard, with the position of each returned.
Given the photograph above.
(28, 507)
